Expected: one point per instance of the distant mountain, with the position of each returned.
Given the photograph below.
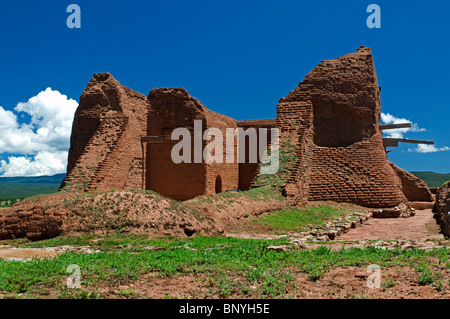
(433, 179)
(29, 186)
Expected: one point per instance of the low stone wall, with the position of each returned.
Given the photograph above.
(442, 208)
(32, 221)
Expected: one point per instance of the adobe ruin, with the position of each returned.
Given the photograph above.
(121, 140)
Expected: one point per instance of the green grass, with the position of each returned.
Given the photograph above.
(9, 201)
(264, 193)
(233, 266)
(298, 219)
(287, 158)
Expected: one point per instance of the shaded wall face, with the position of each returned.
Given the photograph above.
(249, 172)
(340, 125)
(171, 109)
(187, 180)
(83, 128)
(346, 100)
(178, 181)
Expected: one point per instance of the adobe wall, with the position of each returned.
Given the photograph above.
(332, 118)
(442, 208)
(175, 108)
(32, 222)
(414, 188)
(106, 132)
(295, 120)
(335, 114)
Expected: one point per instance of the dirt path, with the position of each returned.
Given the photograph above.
(421, 226)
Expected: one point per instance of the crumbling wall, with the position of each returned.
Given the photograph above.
(414, 188)
(442, 208)
(295, 120)
(105, 142)
(332, 118)
(31, 221)
(341, 153)
(359, 173)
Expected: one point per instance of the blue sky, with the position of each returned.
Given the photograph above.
(237, 57)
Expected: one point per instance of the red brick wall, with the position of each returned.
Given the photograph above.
(32, 222)
(359, 174)
(442, 208)
(105, 140)
(171, 109)
(335, 115)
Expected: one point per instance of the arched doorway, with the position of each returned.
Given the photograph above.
(218, 184)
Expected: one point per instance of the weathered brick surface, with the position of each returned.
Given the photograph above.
(106, 133)
(414, 188)
(295, 120)
(175, 108)
(32, 222)
(335, 114)
(442, 208)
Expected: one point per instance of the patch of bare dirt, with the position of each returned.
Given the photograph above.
(338, 283)
(422, 226)
(351, 282)
(25, 253)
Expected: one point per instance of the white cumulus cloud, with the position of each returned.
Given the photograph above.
(387, 118)
(425, 148)
(44, 140)
(44, 163)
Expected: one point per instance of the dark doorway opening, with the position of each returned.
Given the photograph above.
(218, 184)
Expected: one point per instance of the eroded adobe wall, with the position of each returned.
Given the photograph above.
(359, 173)
(31, 221)
(414, 188)
(295, 120)
(341, 153)
(442, 208)
(105, 142)
(172, 108)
